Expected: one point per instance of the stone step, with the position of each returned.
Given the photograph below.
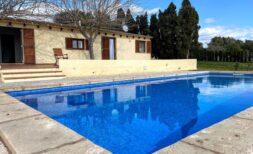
(33, 72)
(33, 79)
(29, 70)
(30, 75)
(36, 74)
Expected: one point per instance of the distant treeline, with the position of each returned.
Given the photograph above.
(227, 49)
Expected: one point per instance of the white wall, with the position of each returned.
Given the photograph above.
(111, 67)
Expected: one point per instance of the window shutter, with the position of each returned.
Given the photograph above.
(87, 46)
(29, 46)
(137, 46)
(68, 43)
(149, 47)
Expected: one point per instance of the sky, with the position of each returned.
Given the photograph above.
(232, 18)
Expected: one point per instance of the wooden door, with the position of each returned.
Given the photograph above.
(105, 48)
(29, 46)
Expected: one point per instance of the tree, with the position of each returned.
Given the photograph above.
(248, 49)
(155, 32)
(138, 24)
(17, 8)
(188, 20)
(235, 51)
(131, 23)
(221, 43)
(248, 45)
(168, 28)
(121, 17)
(217, 44)
(143, 24)
(229, 49)
(196, 46)
(90, 16)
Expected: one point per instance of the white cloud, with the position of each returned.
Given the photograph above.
(241, 33)
(153, 11)
(137, 10)
(209, 20)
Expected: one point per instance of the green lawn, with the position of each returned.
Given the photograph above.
(224, 66)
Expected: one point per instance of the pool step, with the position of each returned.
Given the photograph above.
(20, 75)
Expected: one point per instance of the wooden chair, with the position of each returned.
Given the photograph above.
(59, 55)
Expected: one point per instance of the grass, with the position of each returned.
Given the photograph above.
(224, 66)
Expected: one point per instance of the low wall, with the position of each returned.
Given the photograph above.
(75, 68)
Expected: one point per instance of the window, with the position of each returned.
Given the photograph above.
(143, 46)
(140, 46)
(74, 44)
(77, 44)
(142, 91)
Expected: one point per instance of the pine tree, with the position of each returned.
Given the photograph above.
(195, 47)
(168, 28)
(155, 32)
(138, 24)
(188, 29)
(121, 16)
(143, 24)
(131, 23)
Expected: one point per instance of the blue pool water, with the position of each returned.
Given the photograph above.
(146, 116)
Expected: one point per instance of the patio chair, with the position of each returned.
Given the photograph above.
(59, 55)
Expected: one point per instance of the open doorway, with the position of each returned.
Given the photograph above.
(10, 45)
(8, 48)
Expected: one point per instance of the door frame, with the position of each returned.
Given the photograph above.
(115, 47)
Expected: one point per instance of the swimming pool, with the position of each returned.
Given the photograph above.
(144, 116)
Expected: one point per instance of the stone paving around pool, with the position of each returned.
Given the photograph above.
(3, 149)
(25, 130)
(232, 136)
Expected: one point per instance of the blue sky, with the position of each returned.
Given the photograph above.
(217, 17)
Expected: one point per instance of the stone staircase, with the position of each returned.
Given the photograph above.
(31, 74)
